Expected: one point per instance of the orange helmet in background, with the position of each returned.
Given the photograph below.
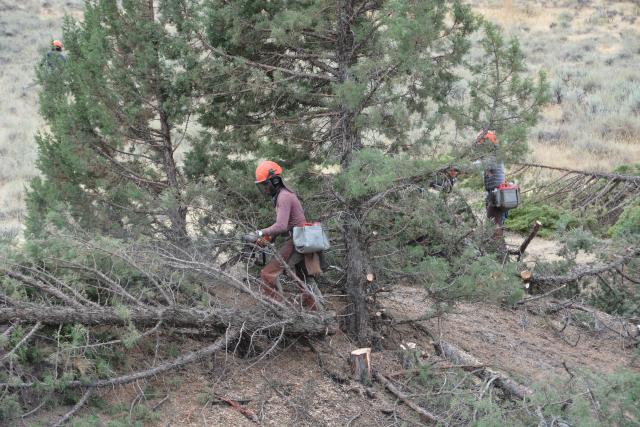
(57, 44)
(267, 169)
(487, 135)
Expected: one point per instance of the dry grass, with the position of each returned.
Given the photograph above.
(26, 29)
(590, 50)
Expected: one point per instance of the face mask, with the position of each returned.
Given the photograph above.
(265, 188)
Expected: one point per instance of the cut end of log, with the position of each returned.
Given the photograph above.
(370, 277)
(361, 351)
(525, 276)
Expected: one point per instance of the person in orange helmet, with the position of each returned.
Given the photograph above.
(289, 214)
(55, 56)
(493, 176)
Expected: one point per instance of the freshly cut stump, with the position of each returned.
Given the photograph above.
(361, 365)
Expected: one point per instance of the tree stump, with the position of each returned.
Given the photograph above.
(410, 355)
(361, 365)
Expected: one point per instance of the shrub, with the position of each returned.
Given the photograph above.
(552, 219)
(628, 225)
(630, 169)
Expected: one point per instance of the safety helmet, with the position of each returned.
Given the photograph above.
(266, 170)
(487, 135)
(57, 43)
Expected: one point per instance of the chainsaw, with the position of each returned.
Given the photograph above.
(251, 252)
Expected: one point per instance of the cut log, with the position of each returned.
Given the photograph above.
(530, 237)
(293, 323)
(361, 365)
(502, 380)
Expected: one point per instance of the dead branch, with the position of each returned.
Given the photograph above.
(66, 417)
(238, 407)
(22, 341)
(587, 188)
(619, 177)
(424, 414)
(40, 285)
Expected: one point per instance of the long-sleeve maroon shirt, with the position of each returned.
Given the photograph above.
(289, 214)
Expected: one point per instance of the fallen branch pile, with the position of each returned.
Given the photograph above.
(609, 191)
(152, 289)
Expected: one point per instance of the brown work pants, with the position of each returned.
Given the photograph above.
(497, 215)
(270, 273)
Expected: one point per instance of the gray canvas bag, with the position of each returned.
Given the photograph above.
(310, 239)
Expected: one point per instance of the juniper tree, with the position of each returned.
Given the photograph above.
(117, 111)
(498, 94)
(361, 85)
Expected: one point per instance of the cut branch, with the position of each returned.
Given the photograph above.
(22, 341)
(530, 237)
(40, 285)
(468, 362)
(66, 417)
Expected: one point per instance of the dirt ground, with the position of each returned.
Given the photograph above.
(528, 346)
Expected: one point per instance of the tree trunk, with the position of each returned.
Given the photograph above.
(177, 214)
(582, 272)
(219, 319)
(357, 318)
(349, 140)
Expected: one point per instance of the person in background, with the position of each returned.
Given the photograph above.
(55, 55)
(493, 174)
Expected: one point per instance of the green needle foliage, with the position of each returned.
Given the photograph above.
(116, 111)
(352, 97)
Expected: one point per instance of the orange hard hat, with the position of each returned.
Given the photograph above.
(487, 135)
(267, 169)
(57, 43)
